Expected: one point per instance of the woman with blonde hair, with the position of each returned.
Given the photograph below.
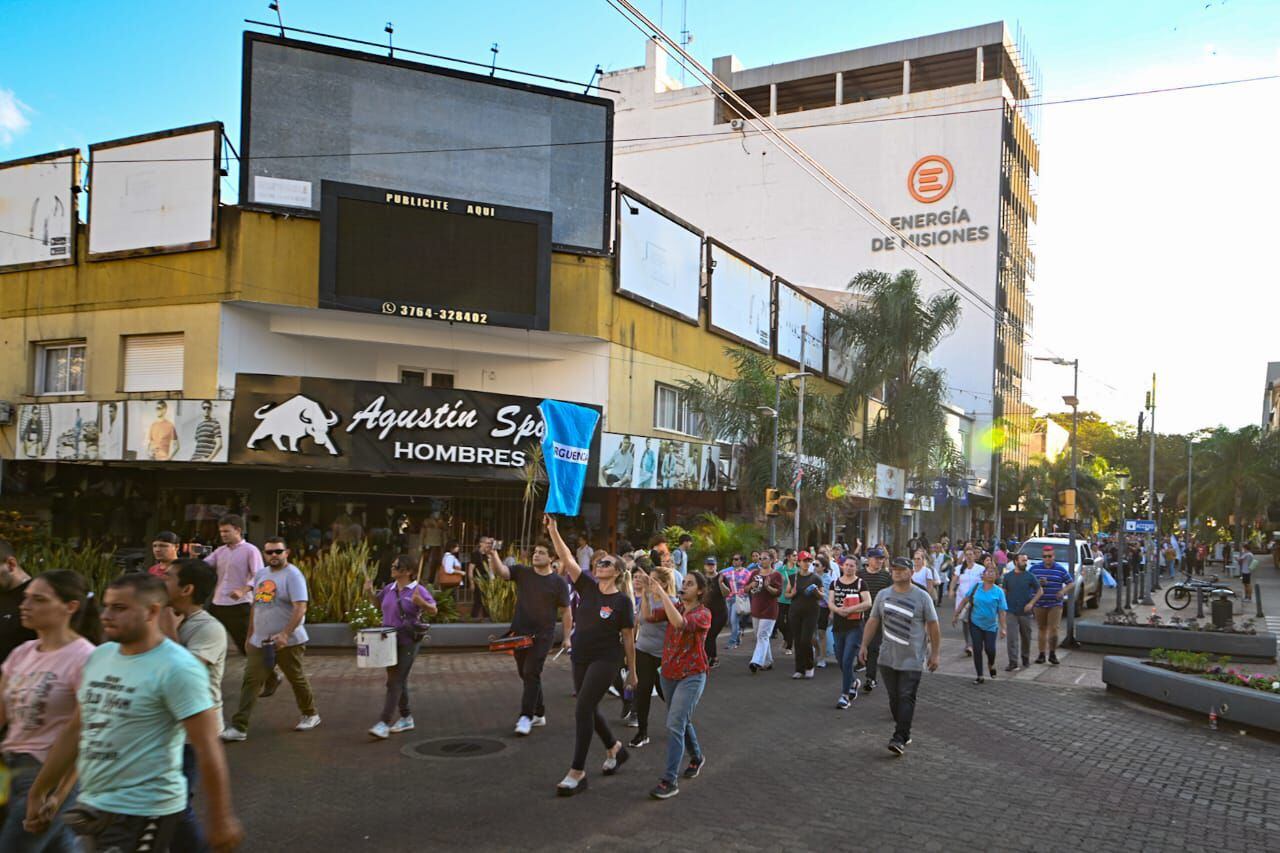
(651, 630)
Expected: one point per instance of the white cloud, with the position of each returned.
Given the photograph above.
(13, 116)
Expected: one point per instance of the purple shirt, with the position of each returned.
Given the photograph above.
(237, 565)
(391, 617)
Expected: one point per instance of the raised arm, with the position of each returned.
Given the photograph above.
(496, 565)
(567, 558)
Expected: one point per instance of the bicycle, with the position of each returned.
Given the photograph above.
(1180, 595)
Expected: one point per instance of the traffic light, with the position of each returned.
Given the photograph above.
(1067, 503)
(776, 503)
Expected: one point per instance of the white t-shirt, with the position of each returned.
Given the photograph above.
(924, 575)
(451, 564)
(584, 557)
(969, 578)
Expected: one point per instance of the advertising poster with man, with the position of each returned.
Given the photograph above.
(178, 430)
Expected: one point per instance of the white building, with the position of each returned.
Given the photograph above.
(926, 130)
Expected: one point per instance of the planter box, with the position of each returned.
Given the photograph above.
(459, 635)
(1242, 705)
(1138, 640)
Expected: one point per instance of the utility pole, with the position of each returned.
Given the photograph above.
(1152, 574)
(773, 466)
(799, 478)
(1186, 534)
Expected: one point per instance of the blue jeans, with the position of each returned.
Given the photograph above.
(847, 645)
(13, 838)
(682, 698)
(735, 623)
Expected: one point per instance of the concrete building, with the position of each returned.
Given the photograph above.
(927, 130)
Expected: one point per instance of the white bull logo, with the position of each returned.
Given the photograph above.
(292, 420)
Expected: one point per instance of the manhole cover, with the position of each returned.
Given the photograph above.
(454, 747)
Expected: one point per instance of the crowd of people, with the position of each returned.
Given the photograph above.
(112, 709)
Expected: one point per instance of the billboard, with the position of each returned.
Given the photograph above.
(178, 430)
(385, 428)
(38, 211)
(842, 359)
(434, 258)
(739, 298)
(68, 432)
(796, 312)
(435, 131)
(156, 193)
(645, 462)
(659, 257)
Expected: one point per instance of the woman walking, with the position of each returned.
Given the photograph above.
(788, 570)
(986, 607)
(733, 583)
(39, 684)
(603, 638)
(922, 574)
(403, 601)
(805, 591)
(715, 602)
(684, 676)
(651, 630)
(764, 585)
(849, 602)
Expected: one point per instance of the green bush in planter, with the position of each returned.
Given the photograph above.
(365, 614)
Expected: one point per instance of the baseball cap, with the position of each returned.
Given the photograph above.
(1047, 549)
(710, 561)
(902, 563)
(803, 555)
(876, 551)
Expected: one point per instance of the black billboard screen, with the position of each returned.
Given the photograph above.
(434, 258)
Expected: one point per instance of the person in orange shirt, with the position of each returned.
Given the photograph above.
(162, 437)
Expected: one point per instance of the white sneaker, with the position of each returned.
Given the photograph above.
(231, 733)
(404, 724)
(797, 675)
(524, 725)
(380, 730)
(808, 673)
(307, 723)
(822, 664)
(539, 721)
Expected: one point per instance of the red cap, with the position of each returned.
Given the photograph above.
(804, 555)
(1047, 549)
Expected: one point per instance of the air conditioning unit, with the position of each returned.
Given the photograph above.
(737, 124)
(6, 413)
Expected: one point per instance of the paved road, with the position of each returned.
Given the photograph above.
(1010, 765)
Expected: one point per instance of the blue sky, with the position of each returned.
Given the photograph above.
(1189, 265)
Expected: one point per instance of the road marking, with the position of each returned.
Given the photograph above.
(1081, 677)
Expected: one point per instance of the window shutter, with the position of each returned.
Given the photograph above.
(153, 363)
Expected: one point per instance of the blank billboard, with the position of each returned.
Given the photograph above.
(154, 194)
(797, 311)
(741, 297)
(38, 211)
(391, 123)
(841, 358)
(659, 258)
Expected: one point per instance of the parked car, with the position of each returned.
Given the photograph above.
(1088, 592)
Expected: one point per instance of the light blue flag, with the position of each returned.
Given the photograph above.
(566, 451)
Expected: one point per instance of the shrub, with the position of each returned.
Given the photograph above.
(499, 596)
(365, 614)
(335, 578)
(446, 607)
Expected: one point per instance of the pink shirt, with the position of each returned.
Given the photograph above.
(236, 565)
(40, 694)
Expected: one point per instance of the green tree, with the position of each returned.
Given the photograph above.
(1237, 474)
(892, 331)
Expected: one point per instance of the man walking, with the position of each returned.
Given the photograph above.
(904, 614)
(680, 556)
(539, 592)
(1022, 591)
(237, 564)
(189, 584)
(140, 694)
(1055, 585)
(875, 580)
(277, 636)
(13, 586)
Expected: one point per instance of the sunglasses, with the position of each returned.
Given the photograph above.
(604, 563)
(270, 551)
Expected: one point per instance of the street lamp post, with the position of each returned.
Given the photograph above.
(774, 413)
(1159, 509)
(1074, 402)
(1122, 480)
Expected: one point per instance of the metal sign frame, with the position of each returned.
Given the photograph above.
(76, 163)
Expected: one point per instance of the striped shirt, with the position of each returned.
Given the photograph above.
(1053, 578)
(208, 435)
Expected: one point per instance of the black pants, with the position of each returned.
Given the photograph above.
(647, 667)
(719, 618)
(529, 663)
(124, 833)
(873, 653)
(783, 625)
(982, 640)
(591, 680)
(804, 621)
(235, 618)
(901, 685)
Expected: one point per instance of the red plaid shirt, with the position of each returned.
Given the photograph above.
(684, 650)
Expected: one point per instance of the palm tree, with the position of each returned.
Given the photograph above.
(892, 331)
(1239, 472)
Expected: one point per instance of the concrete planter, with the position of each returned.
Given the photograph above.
(459, 635)
(1137, 641)
(1242, 705)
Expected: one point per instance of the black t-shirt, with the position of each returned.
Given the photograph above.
(875, 581)
(840, 592)
(600, 621)
(12, 634)
(715, 595)
(806, 597)
(537, 597)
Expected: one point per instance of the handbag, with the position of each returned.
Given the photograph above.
(447, 580)
(417, 629)
(742, 605)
